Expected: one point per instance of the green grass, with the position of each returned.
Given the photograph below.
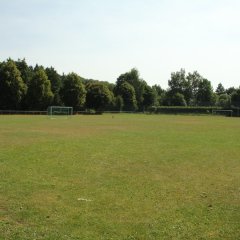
(147, 176)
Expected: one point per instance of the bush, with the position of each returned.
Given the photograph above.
(182, 110)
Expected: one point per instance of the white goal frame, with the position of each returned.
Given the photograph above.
(223, 111)
(59, 111)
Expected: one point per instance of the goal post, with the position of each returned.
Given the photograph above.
(59, 111)
(223, 112)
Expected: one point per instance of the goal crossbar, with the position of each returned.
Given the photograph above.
(59, 111)
(230, 112)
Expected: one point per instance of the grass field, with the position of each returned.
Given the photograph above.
(121, 177)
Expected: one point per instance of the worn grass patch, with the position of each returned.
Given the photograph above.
(121, 177)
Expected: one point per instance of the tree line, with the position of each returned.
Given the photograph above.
(24, 87)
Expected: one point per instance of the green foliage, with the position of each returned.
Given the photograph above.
(160, 93)
(110, 86)
(174, 99)
(177, 83)
(127, 92)
(56, 84)
(12, 87)
(98, 96)
(224, 100)
(25, 70)
(184, 85)
(194, 79)
(178, 100)
(39, 95)
(235, 98)
(158, 89)
(119, 103)
(54, 78)
(205, 95)
(149, 97)
(195, 89)
(182, 110)
(26, 75)
(230, 90)
(220, 89)
(130, 92)
(73, 92)
(132, 77)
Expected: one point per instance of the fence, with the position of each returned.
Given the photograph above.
(157, 110)
(182, 110)
(20, 112)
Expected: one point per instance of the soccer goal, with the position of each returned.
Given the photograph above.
(228, 113)
(59, 111)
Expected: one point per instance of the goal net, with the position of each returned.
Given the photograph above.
(228, 113)
(59, 111)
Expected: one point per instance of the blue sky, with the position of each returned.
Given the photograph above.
(101, 39)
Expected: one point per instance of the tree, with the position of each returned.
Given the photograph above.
(26, 75)
(205, 95)
(235, 98)
(56, 84)
(127, 92)
(193, 81)
(98, 96)
(119, 103)
(110, 86)
(178, 100)
(220, 89)
(159, 92)
(174, 99)
(149, 97)
(180, 83)
(73, 92)
(25, 70)
(230, 90)
(12, 87)
(39, 95)
(158, 89)
(132, 77)
(224, 100)
(177, 82)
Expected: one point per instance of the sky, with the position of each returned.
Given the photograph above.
(101, 39)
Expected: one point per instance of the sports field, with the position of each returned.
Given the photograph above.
(119, 177)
